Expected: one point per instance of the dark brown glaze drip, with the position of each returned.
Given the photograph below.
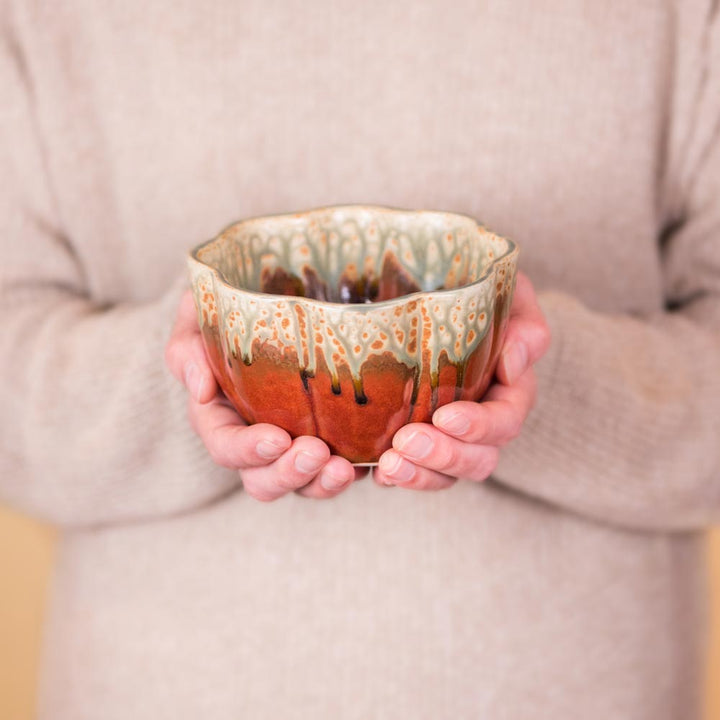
(394, 282)
(415, 387)
(335, 386)
(360, 397)
(460, 381)
(279, 282)
(305, 376)
(358, 290)
(315, 286)
(434, 384)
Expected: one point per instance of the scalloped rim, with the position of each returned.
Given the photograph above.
(360, 307)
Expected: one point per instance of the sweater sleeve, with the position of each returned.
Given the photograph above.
(626, 429)
(93, 428)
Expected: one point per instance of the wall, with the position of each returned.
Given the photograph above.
(26, 551)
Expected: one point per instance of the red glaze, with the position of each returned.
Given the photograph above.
(359, 421)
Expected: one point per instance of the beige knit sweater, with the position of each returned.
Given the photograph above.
(570, 585)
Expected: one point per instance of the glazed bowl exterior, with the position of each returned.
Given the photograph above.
(349, 322)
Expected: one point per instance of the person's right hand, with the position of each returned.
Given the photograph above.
(270, 462)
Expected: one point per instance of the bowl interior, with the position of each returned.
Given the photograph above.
(353, 254)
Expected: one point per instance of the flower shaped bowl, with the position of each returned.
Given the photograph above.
(349, 322)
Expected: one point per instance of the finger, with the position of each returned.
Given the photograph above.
(496, 420)
(394, 469)
(427, 447)
(524, 389)
(185, 354)
(294, 469)
(337, 475)
(528, 335)
(230, 441)
(186, 319)
(184, 328)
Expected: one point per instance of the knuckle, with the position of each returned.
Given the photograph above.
(487, 463)
(286, 485)
(258, 492)
(276, 482)
(545, 342)
(540, 338)
(514, 428)
(265, 497)
(324, 494)
(418, 480)
(216, 455)
(261, 496)
(219, 451)
(290, 482)
(447, 457)
(489, 428)
(312, 491)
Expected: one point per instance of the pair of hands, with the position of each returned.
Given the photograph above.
(464, 439)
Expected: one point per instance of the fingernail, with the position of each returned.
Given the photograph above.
(417, 445)
(396, 467)
(451, 421)
(192, 379)
(514, 360)
(332, 482)
(307, 463)
(269, 450)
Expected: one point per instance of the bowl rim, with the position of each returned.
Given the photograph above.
(193, 259)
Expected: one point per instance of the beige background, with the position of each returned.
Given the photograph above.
(26, 552)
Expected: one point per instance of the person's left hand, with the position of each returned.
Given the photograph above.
(465, 438)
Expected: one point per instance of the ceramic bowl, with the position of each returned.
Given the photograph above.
(349, 322)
